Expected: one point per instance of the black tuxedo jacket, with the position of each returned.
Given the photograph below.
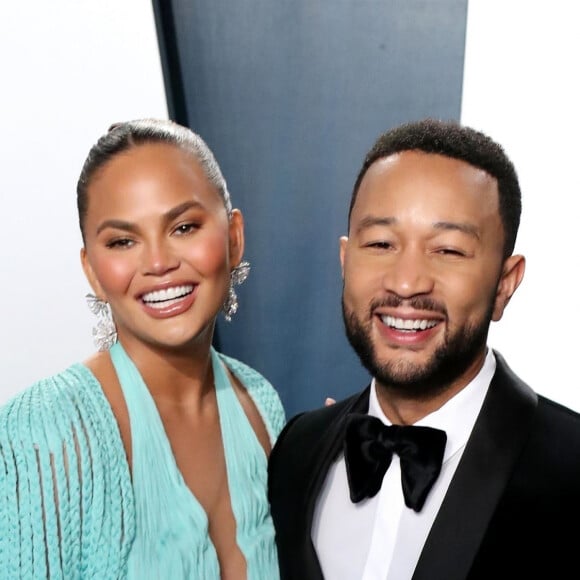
(512, 509)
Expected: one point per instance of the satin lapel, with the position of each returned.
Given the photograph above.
(331, 446)
(326, 453)
(493, 447)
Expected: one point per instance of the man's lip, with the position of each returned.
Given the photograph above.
(409, 314)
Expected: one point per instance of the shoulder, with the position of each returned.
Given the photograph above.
(263, 394)
(310, 440)
(62, 418)
(561, 417)
(310, 424)
(55, 395)
(548, 466)
(61, 408)
(547, 424)
(312, 432)
(59, 434)
(547, 411)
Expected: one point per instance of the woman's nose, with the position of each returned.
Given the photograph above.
(159, 258)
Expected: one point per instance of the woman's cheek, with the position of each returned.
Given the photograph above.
(209, 253)
(114, 273)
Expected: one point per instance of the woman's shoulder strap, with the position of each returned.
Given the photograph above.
(263, 394)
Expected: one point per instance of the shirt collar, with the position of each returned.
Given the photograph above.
(458, 415)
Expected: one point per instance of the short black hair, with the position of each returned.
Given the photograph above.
(451, 139)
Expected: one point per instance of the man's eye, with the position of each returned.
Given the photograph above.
(451, 252)
(379, 244)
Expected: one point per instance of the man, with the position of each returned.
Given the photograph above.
(486, 482)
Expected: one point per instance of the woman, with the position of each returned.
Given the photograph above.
(149, 459)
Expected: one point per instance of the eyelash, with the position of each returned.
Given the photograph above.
(125, 243)
(384, 245)
(120, 243)
(186, 228)
(451, 252)
(380, 245)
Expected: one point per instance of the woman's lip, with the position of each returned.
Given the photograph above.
(171, 307)
(165, 286)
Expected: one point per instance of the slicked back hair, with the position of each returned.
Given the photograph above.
(124, 136)
(451, 139)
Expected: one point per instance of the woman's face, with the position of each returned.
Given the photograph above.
(159, 246)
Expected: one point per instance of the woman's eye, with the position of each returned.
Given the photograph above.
(120, 243)
(186, 228)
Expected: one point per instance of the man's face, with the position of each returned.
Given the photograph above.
(423, 271)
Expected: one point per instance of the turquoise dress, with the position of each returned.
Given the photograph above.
(71, 509)
(172, 539)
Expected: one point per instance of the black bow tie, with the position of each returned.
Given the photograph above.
(368, 450)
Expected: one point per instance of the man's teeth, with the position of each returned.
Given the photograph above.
(160, 297)
(407, 324)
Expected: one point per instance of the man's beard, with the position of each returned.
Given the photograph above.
(448, 363)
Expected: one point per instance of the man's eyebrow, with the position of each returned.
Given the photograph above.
(369, 221)
(464, 227)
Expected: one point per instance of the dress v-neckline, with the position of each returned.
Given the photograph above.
(165, 505)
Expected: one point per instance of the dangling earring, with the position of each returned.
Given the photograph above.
(237, 276)
(104, 331)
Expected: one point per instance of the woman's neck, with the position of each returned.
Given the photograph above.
(174, 375)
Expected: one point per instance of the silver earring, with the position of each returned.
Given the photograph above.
(237, 276)
(104, 331)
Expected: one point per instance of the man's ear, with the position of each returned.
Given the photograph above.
(511, 276)
(343, 241)
(90, 275)
(237, 240)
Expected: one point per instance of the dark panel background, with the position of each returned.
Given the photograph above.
(290, 95)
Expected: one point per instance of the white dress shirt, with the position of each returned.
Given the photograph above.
(380, 538)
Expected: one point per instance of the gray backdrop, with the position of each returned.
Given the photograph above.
(290, 95)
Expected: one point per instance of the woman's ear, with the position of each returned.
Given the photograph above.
(236, 233)
(511, 276)
(90, 275)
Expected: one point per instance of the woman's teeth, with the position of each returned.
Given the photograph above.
(159, 298)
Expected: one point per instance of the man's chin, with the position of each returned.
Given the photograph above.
(402, 373)
(404, 362)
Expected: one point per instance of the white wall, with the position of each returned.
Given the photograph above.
(68, 70)
(521, 87)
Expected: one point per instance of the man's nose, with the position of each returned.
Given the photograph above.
(409, 274)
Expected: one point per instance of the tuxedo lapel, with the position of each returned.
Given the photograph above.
(325, 453)
(492, 449)
(331, 446)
